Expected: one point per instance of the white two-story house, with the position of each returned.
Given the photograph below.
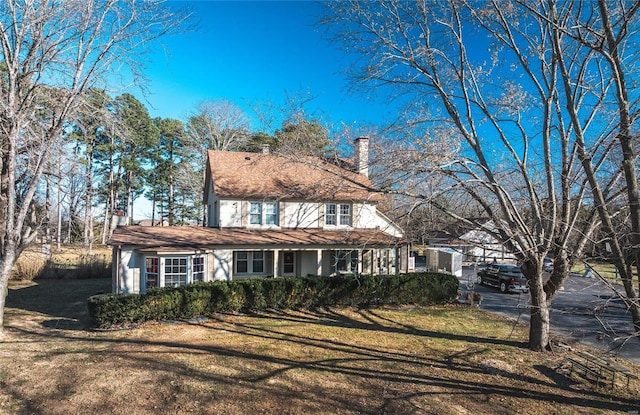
(268, 216)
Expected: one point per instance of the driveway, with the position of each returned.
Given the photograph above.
(584, 310)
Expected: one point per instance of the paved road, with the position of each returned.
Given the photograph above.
(585, 310)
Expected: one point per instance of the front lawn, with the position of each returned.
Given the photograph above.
(439, 360)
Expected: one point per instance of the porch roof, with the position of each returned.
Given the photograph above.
(191, 236)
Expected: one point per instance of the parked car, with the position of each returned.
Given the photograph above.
(547, 264)
(508, 278)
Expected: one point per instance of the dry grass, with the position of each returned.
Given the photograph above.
(66, 262)
(441, 360)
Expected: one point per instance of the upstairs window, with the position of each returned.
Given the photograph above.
(330, 217)
(263, 213)
(271, 213)
(345, 215)
(255, 213)
(337, 214)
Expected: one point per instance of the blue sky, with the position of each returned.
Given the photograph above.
(251, 53)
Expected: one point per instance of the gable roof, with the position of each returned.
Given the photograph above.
(194, 237)
(269, 176)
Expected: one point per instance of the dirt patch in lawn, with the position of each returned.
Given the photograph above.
(440, 360)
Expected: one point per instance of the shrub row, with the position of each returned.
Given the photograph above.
(206, 299)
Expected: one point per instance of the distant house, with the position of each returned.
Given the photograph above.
(473, 239)
(268, 216)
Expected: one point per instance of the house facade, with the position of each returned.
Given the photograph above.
(268, 216)
(475, 240)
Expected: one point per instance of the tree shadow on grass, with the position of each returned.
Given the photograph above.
(399, 376)
(373, 320)
(410, 374)
(61, 303)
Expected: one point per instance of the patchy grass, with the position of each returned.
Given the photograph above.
(606, 270)
(439, 360)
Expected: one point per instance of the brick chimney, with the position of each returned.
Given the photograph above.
(361, 155)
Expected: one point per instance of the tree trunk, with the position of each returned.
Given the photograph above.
(539, 326)
(6, 264)
(88, 217)
(153, 210)
(105, 224)
(171, 207)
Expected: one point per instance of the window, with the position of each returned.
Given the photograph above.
(197, 269)
(345, 215)
(345, 262)
(161, 271)
(337, 214)
(330, 214)
(263, 213)
(258, 262)
(175, 271)
(151, 270)
(271, 213)
(242, 262)
(249, 262)
(255, 213)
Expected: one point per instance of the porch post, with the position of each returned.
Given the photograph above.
(276, 255)
(319, 262)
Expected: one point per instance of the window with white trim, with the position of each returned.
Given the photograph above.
(330, 217)
(257, 262)
(345, 262)
(255, 213)
(152, 272)
(242, 262)
(337, 214)
(345, 215)
(197, 268)
(249, 262)
(271, 213)
(175, 271)
(263, 213)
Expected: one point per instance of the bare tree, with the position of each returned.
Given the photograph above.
(490, 76)
(607, 30)
(218, 125)
(51, 52)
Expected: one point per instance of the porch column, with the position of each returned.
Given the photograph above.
(319, 262)
(276, 256)
(359, 261)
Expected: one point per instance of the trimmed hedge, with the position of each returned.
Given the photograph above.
(257, 294)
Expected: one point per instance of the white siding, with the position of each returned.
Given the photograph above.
(300, 214)
(230, 213)
(129, 264)
(223, 264)
(368, 217)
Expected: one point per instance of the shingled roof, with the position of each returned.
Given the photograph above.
(202, 237)
(269, 176)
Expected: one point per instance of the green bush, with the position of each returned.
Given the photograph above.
(206, 299)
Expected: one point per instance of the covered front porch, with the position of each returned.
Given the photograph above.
(307, 262)
(147, 257)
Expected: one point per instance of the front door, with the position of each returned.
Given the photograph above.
(288, 263)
